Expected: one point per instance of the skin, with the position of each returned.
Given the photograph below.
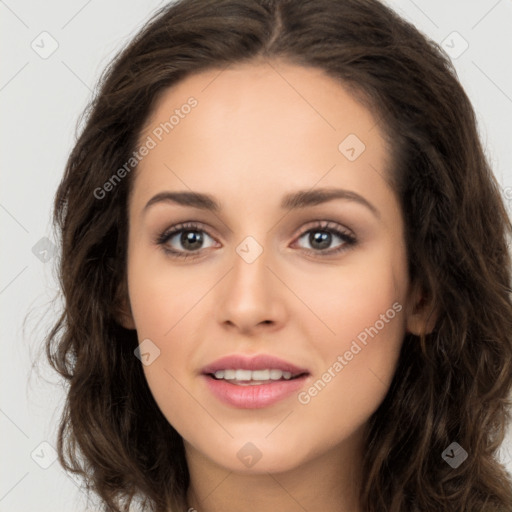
(261, 130)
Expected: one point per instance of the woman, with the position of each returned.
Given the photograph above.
(253, 368)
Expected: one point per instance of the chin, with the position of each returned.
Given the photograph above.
(258, 457)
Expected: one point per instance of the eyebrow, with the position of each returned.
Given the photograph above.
(291, 201)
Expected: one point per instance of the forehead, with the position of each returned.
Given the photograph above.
(262, 122)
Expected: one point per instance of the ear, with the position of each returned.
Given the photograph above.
(421, 312)
(121, 308)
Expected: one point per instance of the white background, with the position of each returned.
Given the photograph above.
(40, 101)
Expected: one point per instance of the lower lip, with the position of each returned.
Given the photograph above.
(253, 396)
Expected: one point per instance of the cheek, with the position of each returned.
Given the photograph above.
(347, 301)
(164, 303)
(162, 294)
(165, 307)
(350, 388)
(364, 310)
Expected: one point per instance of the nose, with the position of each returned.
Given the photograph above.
(251, 296)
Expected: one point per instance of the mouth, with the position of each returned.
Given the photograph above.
(253, 382)
(241, 377)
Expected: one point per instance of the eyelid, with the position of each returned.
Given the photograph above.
(321, 224)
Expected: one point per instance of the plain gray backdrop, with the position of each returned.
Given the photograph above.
(52, 55)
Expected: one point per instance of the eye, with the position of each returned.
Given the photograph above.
(321, 237)
(189, 235)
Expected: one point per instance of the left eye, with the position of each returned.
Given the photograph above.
(321, 238)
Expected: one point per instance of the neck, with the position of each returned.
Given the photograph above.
(329, 482)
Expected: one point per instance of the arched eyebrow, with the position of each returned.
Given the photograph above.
(291, 201)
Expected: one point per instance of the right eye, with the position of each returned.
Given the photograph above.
(189, 235)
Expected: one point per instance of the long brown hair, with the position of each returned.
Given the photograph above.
(451, 385)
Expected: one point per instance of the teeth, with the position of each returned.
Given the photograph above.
(256, 375)
(260, 375)
(275, 374)
(243, 375)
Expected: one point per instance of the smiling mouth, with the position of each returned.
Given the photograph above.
(240, 377)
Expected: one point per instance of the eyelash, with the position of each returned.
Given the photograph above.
(326, 227)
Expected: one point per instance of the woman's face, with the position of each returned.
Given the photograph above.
(302, 259)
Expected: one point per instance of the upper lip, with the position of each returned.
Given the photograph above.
(258, 362)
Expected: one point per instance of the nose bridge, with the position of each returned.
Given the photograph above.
(250, 275)
(251, 292)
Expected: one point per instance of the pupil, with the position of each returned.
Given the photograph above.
(189, 237)
(320, 237)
